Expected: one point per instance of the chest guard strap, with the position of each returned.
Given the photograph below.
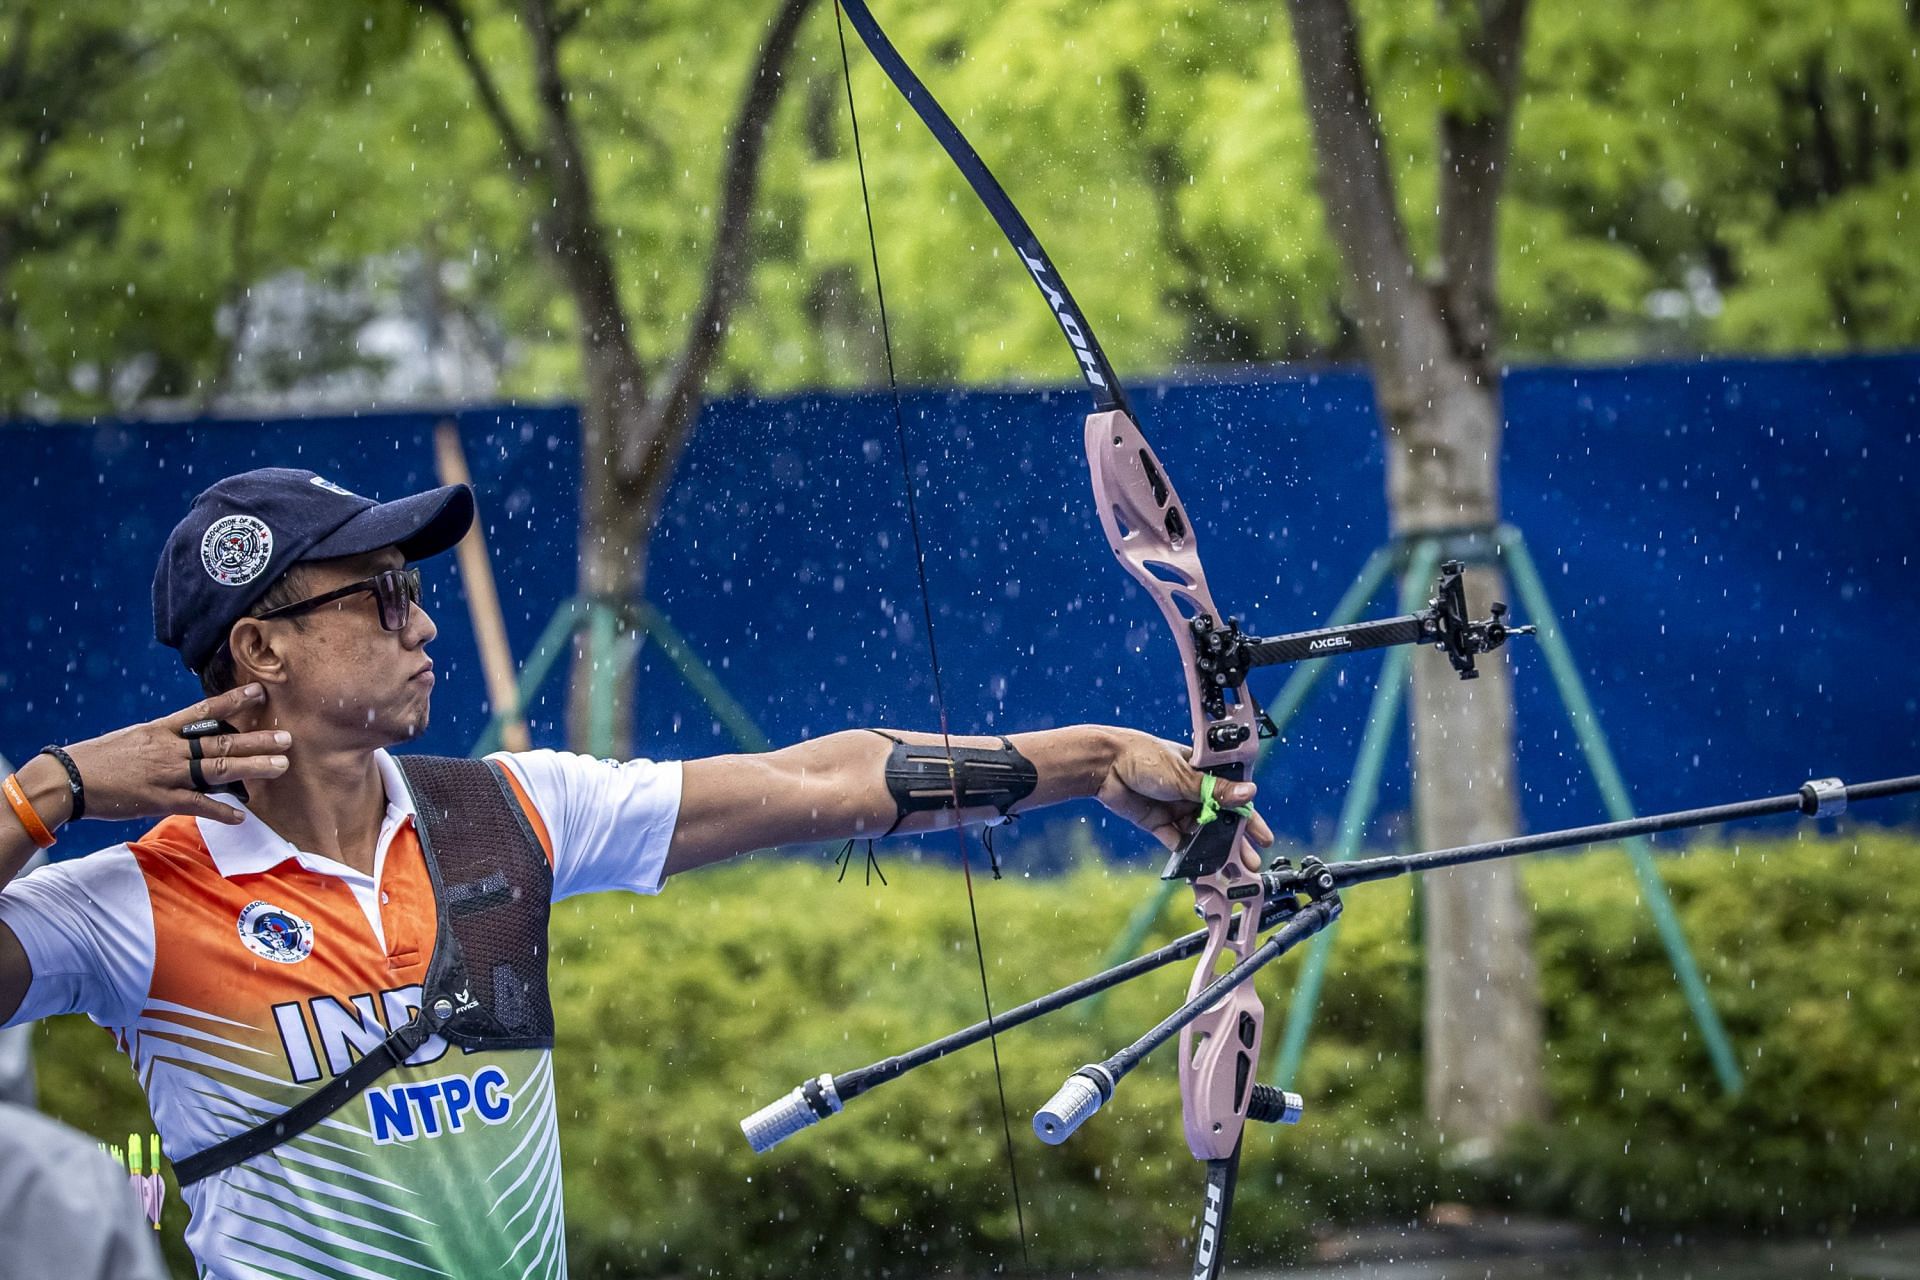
(486, 984)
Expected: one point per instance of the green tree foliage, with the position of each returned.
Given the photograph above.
(157, 159)
(1722, 176)
(1712, 174)
(680, 1014)
(653, 91)
(1752, 162)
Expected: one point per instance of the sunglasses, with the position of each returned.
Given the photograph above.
(396, 591)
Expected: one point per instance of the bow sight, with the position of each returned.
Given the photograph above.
(1224, 655)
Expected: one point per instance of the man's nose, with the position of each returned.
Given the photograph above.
(420, 627)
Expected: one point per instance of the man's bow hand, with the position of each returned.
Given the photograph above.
(1151, 784)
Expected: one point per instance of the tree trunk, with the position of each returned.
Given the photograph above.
(1483, 1025)
(1437, 391)
(1483, 1028)
(616, 521)
(633, 428)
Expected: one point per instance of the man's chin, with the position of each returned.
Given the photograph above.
(419, 710)
(400, 729)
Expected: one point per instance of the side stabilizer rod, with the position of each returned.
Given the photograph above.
(1089, 1088)
(823, 1096)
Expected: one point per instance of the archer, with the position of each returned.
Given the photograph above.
(291, 955)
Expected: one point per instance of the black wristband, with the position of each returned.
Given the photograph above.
(75, 786)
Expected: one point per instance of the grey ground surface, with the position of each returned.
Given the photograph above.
(1521, 1250)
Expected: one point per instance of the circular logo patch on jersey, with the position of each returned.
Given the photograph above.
(275, 934)
(236, 549)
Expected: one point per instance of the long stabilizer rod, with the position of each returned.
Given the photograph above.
(1822, 798)
(825, 1095)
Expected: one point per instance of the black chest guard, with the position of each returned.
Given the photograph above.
(486, 985)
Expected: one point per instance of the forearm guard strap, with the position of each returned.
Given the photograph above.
(922, 778)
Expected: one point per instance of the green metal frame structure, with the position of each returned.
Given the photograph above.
(614, 633)
(1415, 560)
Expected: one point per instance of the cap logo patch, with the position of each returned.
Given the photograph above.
(321, 482)
(275, 934)
(236, 550)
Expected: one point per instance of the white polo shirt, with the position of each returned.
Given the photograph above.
(239, 973)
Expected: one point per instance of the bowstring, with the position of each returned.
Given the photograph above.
(933, 647)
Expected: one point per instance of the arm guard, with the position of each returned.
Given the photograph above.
(922, 778)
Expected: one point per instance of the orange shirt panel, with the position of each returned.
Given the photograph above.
(202, 963)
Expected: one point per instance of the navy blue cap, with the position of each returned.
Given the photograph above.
(246, 531)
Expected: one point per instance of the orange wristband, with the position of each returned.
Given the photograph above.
(23, 810)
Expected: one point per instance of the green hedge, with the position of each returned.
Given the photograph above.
(681, 1014)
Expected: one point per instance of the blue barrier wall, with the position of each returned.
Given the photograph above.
(1732, 546)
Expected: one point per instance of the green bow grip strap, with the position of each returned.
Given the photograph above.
(1210, 806)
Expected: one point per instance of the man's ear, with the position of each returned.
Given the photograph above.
(255, 655)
